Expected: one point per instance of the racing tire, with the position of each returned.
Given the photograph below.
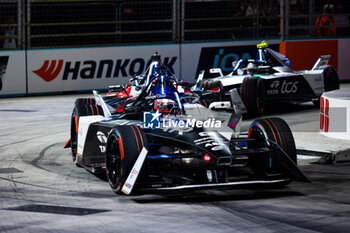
(278, 131)
(123, 148)
(210, 84)
(331, 78)
(331, 81)
(253, 96)
(83, 107)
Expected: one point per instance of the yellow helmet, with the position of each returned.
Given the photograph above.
(262, 45)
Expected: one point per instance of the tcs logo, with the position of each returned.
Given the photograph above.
(324, 115)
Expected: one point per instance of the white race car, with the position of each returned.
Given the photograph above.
(254, 83)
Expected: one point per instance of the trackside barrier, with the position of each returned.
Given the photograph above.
(27, 72)
(44, 71)
(335, 121)
(334, 114)
(12, 73)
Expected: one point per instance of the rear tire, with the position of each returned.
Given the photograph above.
(278, 131)
(211, 84)
(123, 148)
(253, 96)
(331, 78)
(83, 107)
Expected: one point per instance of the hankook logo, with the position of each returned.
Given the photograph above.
(91, 69)
(49, 70)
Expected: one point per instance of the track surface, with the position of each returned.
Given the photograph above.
(41, 190)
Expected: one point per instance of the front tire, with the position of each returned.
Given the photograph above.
(278, 131)
(123, 148)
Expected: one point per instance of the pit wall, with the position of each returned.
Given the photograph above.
(46, 71)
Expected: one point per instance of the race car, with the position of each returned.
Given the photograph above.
(209, 98)
(162, 142)
(269, 79)
(134, 88)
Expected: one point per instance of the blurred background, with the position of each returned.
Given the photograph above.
(30, 24)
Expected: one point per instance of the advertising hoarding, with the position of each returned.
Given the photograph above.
(12, 73)
(204, 56)
(81, 69)
(63, 70)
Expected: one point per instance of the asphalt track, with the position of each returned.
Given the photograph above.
(41, 190)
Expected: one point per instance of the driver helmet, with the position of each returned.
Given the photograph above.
(251, 67)
(164, 105)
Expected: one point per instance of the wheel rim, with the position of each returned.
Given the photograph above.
(113, 162)
(259, 136)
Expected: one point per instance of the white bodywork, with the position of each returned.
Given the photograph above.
(135, 91)
(134, 173)
(84, 124)
(198, 111)
(85, 121)
(220, 105)
(237, 102)
(315, 79)
(100, 102)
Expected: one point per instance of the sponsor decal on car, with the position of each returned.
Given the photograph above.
(285, 88)
(103, 139)
(152, 97)
(208, 139)
(289, 87)
(275, 84)
(274, 88)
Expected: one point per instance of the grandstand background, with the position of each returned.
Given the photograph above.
(30, 24)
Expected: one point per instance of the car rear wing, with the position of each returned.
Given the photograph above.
(321, 61)
(99, 100)
(200, 77)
